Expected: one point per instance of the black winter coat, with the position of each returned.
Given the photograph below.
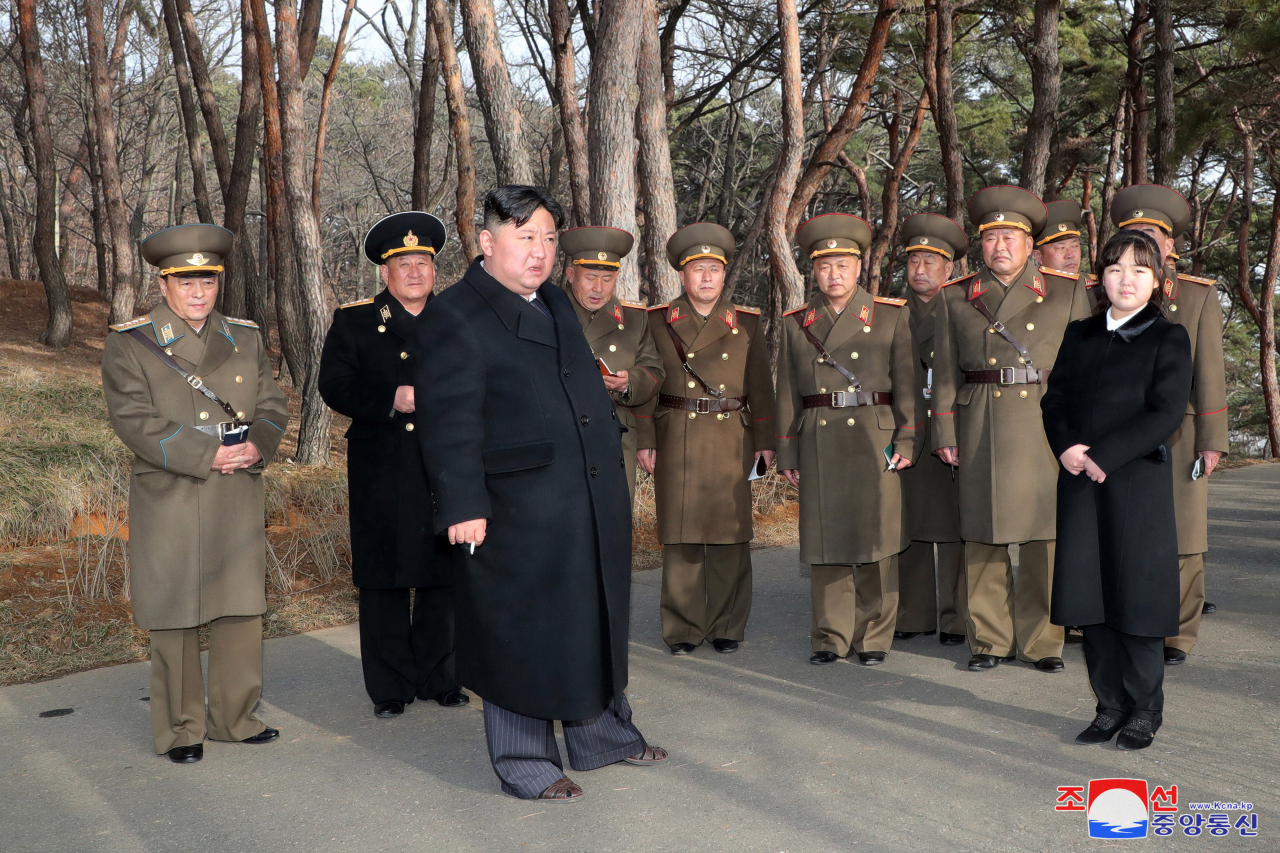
(517, 428)
(1123, 394)
(368, 353)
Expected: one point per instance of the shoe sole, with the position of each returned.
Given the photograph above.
(1134, 748)
(822, 662)
(639, 762)
(727, 651)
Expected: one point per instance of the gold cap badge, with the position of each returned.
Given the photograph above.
(197, 260)
(999, 217)
(705, 249)
(831, 244)
(410, 239)
(1137, 213)
(924, 241)
(602, 256)
(1062, 226)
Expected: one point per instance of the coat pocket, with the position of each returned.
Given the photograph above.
(884, 418)
(965, 395)
(519, 457)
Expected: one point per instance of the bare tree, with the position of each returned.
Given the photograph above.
(459, 128)
(786, 284)
(1162, 20)
(1046, 86)
(565, 92)
(657, 185)
(1136, 82)
(944, 106)
(503, 121)
(187, 106)
(424, 126)
(57, 332)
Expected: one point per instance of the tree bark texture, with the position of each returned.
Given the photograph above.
(245, 290)
(313, 429)
(1136, 81)
(57, 332)
(613, 92)
(322, 121)
(459, 128)
(503, 122)
(187, 109)
(886, 237)
(786, 290)
(657, 183)
(944, 109)
(425, 122)
(1166, 129)
(566, 97)
(1114, 156)
(122, 290)
(1046, 86)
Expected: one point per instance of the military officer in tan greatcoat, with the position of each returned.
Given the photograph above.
(191, 393)
(713, 422)
(1163, 215)
(997, 340)
(847, 425)
(1058, 243)
(617, 331)
(931, 596)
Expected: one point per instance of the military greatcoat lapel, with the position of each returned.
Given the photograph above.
(856, 315)
(1022, 293)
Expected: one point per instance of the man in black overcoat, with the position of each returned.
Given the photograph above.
(523, 450)
(366, 373)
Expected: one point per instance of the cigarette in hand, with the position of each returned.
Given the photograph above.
(473, 547)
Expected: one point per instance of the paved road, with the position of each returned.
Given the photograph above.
(769, 753)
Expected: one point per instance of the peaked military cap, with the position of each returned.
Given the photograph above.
(596, 246)
(188, 249)
(1151, 204)
(834, 234)
(404, 233)
(700, 240)
(1007, 207)
(932, 232)
(1064, 221)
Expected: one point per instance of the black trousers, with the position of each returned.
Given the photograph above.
(407, 655)
(1126, 672)
(524, 753)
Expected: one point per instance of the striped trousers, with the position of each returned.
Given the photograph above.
(524, 754)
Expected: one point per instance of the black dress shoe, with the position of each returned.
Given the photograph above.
(265, 736)
(387, 710)
(1101, 730)
(1208, 607)
(907, 635)
(823, 658)
(977, 663)
(871, 658)
(1173, 657)
(1050, 664)
(1136, 734)
(725, 647)
(950, 639)
(186, 754)
(682, 649)
(453, 699)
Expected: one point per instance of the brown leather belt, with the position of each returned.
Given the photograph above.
(846, 399)
(702, 405)
(1007, 376)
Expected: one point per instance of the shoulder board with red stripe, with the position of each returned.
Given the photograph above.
(661, 307)
(962, 279)
(746, 310)
(889, 300)
(1091, 281)
(1061, 273)
(794, 311)
(640, 305)
(1207, 282)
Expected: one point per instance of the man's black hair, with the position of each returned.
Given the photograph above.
(515, 204)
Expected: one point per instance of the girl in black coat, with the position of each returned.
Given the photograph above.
(1117, 392)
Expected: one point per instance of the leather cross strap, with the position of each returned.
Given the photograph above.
(688, 368)
(1001, 330)
(847, 399)
(1007, 376)
(826, 356)
(702, 405)
(194, 381)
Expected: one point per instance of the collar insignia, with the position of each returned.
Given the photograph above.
(673, 313)
(1037, 284)
(811, 317)
(975, 289)
(385, 312)
(617, 310)
(730, 319)
(864, 314)
(166, 333)
(1168, 288)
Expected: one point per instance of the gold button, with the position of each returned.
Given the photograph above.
(1031, 327)
(404, 355)
(239, 379)
(735, 331)
(1021, 360)
(692, 415)
(612, 348)
(240, 415)
(621, 327)
(997, 392)
(382, 328)
(849, 422)
(408, 427)
(168, 351)
(853, 355)
(721, 386)
(1173, 307)
(1022, 393)
(991, 331)
(204, 416)
(822, 390)
(866, 328)
(822, 422)
(851, 388)
(237, 349)
(690, 383)
(1039, 299)
(930, 353)
(719, 416)
(691, 355)
(724, 356)
(993, 361)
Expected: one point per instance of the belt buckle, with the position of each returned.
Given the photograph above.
(1007, 371)
(195, 382)
(702, 405)
(837, 400)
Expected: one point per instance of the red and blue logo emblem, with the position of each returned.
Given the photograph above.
(1117, 808)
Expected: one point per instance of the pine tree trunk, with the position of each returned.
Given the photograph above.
(1046, 86)
(657, 184)
(187, 109)
(566, 96)
(498, 102)
(1166, 128)
(424, 125)
(459, 128)
(944, 110)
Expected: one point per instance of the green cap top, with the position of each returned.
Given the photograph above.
(1064, 221)
(1151, 204)
(188, 249)
(932, 232)
(596, 246)
(834, 234)
(1007, 207)
(700, 240)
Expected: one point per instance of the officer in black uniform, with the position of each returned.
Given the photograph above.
(366, 373)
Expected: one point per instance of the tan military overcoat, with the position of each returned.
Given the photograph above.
(1008, 474)
(930, 487)
(619, 334)
(851, 507)
(703, 460)
(197, 543)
